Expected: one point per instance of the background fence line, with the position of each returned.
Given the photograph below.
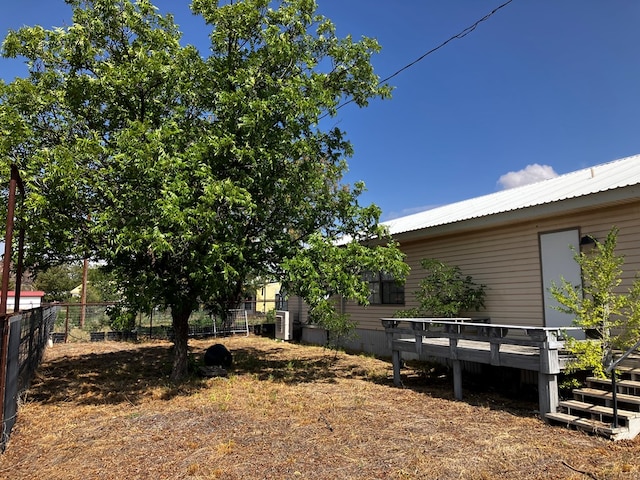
(157, 324)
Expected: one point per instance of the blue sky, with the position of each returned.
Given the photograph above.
(549, 82)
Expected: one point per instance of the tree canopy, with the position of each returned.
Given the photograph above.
(187, 172)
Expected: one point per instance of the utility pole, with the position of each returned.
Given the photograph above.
(83, 297)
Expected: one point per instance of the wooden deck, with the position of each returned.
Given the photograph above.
(476, 340)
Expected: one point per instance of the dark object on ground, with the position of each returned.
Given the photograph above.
(265, 329)
(214, 371)
(218, 355)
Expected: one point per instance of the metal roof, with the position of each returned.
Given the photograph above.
(599, 178)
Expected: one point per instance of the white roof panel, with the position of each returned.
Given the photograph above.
(607, 176)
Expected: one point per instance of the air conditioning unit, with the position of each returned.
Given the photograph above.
(284, 325)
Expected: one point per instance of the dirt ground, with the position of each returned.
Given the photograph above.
(285, 411)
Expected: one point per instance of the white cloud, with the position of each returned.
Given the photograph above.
(529, 174)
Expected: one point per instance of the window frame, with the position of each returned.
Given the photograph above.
(384, 289)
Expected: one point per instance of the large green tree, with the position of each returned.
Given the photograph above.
(186, 173)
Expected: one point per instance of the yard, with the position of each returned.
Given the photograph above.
(106, 410)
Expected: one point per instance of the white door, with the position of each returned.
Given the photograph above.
(558, 262)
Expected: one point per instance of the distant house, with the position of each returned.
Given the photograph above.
(267, 297)
(515, 241)
(28, 300)
(76, 292)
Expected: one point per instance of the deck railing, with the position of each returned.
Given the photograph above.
(477, 340)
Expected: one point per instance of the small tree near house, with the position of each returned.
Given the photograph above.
(445, 292)
(607, 313)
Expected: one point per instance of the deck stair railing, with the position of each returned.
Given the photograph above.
(614, 390)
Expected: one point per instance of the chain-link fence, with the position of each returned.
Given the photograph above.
(77, 322)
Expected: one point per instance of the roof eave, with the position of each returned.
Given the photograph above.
(569, 205)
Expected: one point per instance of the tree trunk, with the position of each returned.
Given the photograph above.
(180, 320)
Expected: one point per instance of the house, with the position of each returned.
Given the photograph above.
(264, 298)
(28, 300)
(516, 242)
(76, 292)
(267, 297)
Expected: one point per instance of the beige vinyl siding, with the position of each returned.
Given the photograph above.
(507, 260)
(368, 317)
(298, 309)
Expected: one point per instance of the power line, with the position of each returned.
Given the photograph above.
(459, 35)
(462, 34)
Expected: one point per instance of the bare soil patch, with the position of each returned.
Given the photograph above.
(286, 411)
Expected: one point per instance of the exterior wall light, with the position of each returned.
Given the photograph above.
(587, 243)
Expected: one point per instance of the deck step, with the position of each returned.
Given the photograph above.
(629, 371)
(591, 409)
(600, 411)
(631, 387)
(588, 425)
(584, 394)
(632, 361)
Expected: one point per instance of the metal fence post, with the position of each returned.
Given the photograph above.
(14, 182)
(66, 326)
(614, 393)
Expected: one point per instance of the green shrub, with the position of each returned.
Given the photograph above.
(445, 292)
(122, 319)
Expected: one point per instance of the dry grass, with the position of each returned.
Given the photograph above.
(107, 410)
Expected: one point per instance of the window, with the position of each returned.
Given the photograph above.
(384, 289)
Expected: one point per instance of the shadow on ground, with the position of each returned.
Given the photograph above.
(128, 375)
(497, 388)
(98, 378)
(131, 374)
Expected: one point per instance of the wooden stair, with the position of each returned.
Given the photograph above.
(591, 408)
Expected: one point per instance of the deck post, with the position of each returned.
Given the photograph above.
(457, 380)
(453, 348)
(419, 344)
(396, 368)
(389, 325)
(389, 336)
(457, 368)
(548, 375)
(547, 393)
(495, 353)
